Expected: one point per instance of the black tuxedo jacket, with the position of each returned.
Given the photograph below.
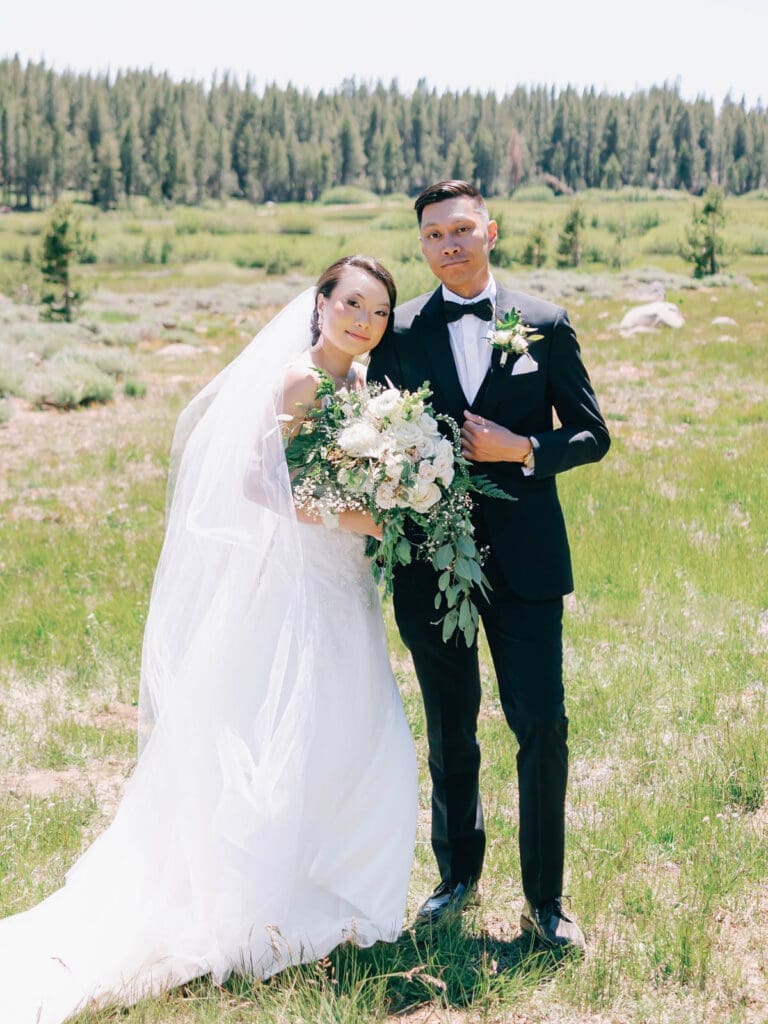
(528, 536)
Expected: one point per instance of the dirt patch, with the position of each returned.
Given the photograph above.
(105, 780)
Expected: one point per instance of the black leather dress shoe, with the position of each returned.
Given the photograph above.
(552, 926)
(448, 898)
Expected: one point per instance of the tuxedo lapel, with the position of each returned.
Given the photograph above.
(432, 328)
(491, 390)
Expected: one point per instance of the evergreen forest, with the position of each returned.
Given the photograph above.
(109, 138)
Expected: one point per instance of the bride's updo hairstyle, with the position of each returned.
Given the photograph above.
(330, 278)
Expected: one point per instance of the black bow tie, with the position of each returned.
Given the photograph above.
(483, 308)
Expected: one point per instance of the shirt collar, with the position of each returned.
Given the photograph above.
(489, 292)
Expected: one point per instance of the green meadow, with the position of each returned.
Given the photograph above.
(666, 634)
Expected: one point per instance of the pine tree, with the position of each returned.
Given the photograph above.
(61, 242)
(106, 185)
(352, 155)
(704, 245)
(535, 249)
(459, 160)
(571, 241)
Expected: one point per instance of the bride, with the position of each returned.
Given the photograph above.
(271, 814)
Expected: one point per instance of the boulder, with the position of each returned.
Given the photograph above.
(650, 316)
(725, 320)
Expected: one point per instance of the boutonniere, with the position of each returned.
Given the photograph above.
(512, 335)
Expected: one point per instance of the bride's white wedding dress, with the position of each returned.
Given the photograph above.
(271, 814)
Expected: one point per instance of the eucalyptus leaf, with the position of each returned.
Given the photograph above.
(449, 625)
(465, 615)
(466, 546)
(443, 556)
(463, 569)
(403, 551)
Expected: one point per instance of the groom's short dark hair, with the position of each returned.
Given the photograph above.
(445, 190)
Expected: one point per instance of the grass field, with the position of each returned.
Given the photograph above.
(666, 634)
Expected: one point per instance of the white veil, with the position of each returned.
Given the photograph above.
(229, 506)
(226, 705)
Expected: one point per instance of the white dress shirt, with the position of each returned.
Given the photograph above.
(471, 351)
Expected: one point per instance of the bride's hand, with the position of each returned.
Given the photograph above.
(360, 522)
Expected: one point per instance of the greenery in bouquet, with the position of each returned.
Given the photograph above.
(382, 450)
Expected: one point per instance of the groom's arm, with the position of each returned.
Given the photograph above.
(582, 435)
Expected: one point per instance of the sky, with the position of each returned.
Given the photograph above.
(709, 48)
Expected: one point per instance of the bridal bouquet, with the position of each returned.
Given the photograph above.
(381, 450)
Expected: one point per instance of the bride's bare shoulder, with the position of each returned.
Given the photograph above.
(299, 386)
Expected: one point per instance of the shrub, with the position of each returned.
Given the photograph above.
(250, 262)
(134, 388)
(348, 194)
(12, 371)
(533, 194)
(500, 256)
(535, 248)
(277, 265)
(296, 224)
(67, 384)
(6, 410)
(395, 222)
(114, 362)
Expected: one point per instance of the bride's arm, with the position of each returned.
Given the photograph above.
(299, 395)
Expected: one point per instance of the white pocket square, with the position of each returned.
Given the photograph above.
(525, 364)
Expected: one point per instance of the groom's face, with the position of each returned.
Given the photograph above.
(456, 239)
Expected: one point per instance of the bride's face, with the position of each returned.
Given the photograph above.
(354, 317)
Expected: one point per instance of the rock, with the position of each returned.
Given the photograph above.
(182, 348)
(178, 349)
(725, 320)
(650, 315)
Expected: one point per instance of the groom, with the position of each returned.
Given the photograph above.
(505, 409)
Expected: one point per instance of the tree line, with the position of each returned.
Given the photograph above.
(139, 133)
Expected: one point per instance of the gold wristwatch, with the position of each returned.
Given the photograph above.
(527, 462)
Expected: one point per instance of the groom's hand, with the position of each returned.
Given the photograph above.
(483, 440)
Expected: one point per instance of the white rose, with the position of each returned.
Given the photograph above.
(446, 475)
(407, 433)
(443, 455)
(427, 471)
(424, 495)
(384, 404)
(443, 461)
(385, 495)
(393, 465)
(426, 447)
(360, 439)
(428, 423)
